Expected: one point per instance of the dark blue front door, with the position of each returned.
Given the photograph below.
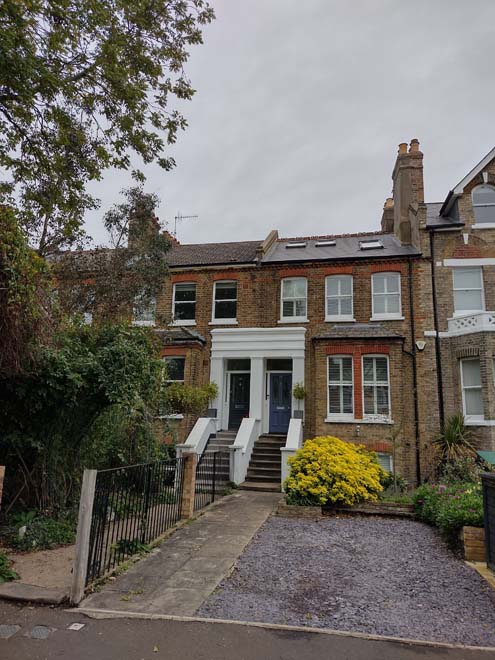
(280, 402)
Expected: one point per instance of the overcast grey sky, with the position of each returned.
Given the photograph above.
(300, 107)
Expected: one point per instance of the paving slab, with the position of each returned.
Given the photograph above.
(178, 576)
(30, 593)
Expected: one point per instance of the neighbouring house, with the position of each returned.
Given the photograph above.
(387, 331)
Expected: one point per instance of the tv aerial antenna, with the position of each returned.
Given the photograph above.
(179, 218)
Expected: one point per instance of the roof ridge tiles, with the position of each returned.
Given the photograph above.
(331, 236)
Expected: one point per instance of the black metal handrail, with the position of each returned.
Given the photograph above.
(488, 482)
(133, 506)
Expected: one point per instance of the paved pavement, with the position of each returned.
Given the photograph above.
(131, 639)
(181, 573)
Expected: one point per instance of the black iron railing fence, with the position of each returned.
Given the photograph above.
(206, 475)
(132, 506)
(488, 481)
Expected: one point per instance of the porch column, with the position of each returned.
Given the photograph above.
(217, 376)
(256, 388)
(297, 377)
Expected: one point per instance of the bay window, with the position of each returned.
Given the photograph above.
(340, 386)
(376, 389)
(472, 393)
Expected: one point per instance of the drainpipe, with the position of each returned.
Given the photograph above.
(438, 356)
(412, 353)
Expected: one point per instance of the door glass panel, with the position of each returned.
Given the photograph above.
(239, 365)
(273, 364)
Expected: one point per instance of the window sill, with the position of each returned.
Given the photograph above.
(144, 324)
(177, 416)
(466, 312)
(484, 225)
(347, 319)
(294, 319)
(352, 420)
(387, 317)
(183, 323)
(224, 322)
(479, 422)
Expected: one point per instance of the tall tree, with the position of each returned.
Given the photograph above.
(85, 85)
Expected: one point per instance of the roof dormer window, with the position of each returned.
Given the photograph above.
(325, 243)
(295, 245)
(483, 198)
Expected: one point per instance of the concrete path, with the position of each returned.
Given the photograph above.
(181, 573)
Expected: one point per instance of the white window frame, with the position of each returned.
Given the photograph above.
(380, 316)
(146, 322)
(376, 383)
(389, 457)
(220, 321)
(339, 296)
(184, 322)
(292, 319)
(483, 224)
(458, 269)
(164, 360)
(339, 416)
(471, 418)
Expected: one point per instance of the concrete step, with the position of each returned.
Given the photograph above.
(262, 461)
(273, 449)
(270, 442)
(255, 478)
(255, 469)
(266, 487)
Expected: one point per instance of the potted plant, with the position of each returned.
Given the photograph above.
(212, 394)
(299, 394)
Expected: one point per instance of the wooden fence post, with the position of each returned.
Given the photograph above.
(82, 539)
(2, 475)
(189, 484)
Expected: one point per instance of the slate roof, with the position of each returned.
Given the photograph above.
(179, 335)
(347, 246)
(359, 331)
(209, 254)
(434, 219)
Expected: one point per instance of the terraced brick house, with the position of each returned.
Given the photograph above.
(388, 332)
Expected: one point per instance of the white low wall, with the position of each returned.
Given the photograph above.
(241, 450)
(293, 443)
(199, 436)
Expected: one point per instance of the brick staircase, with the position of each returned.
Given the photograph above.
(264, 470)
(221, 443)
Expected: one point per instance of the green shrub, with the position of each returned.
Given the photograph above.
(6, 572)
(465, 469)
(44, 534)
(450, 507)
(327, 469)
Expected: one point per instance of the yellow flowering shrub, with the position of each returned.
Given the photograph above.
(329, 470)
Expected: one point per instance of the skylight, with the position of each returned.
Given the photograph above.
(370, 245)
(324, 243)
(295, 245)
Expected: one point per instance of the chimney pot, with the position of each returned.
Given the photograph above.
(402, 148)
(414, 146)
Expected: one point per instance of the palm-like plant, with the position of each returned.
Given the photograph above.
(454, 441)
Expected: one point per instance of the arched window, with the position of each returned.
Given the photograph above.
(484, 203)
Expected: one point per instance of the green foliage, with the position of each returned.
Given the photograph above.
(449, 507)
(465, 469)
(393, 482)
(299, 392)
(187, 399)
(89, 402)
(86, 85)
(329, 470)
(454, 441)
(112, 283)
(44, 534)
(6, 572)
(26, 309)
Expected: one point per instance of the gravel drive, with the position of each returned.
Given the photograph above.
(378, 576)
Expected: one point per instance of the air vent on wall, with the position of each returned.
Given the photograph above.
(370, 245)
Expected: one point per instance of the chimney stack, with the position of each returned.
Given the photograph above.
(388, 216)
(408, 192)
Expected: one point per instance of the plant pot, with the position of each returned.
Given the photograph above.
(211, 412)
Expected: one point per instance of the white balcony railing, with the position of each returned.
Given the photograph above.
(474, 322)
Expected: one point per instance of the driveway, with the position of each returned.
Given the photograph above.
(376, 576)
